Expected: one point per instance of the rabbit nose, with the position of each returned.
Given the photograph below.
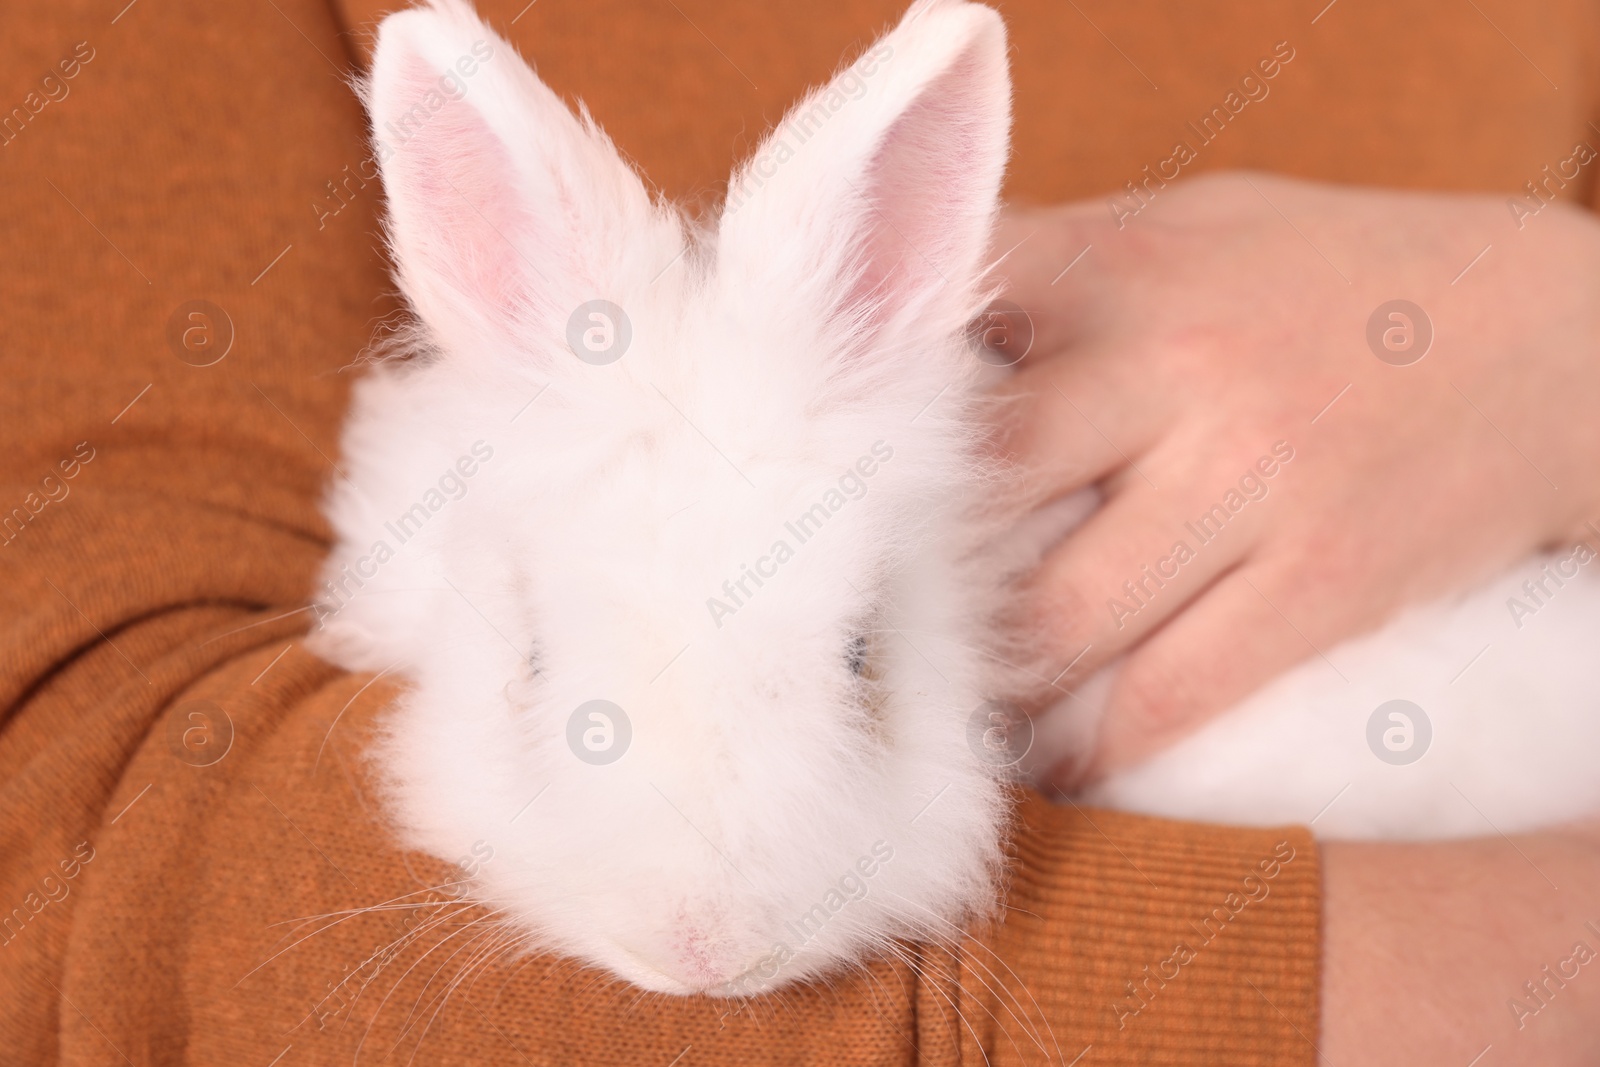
(691, 966)
(696, 960)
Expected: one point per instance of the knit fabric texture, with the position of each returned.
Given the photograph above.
(190, 849)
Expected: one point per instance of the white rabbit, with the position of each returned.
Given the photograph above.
(684, 541)
(724, 481)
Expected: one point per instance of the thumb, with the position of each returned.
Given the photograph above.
(1045, 262)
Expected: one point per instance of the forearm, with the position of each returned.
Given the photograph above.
(1429, 949)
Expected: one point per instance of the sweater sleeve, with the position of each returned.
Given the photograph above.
(193, 866)
(203, 875)
(1153, 942)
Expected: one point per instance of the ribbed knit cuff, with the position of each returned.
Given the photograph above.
(1130, 940)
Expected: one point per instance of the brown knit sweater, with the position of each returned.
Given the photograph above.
(186, 828)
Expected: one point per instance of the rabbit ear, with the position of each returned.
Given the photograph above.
(877, 193)
(505, 211)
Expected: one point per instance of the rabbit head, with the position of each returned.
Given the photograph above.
(697, 651)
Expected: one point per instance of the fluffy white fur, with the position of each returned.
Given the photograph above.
(822, 317)
(1514, 711)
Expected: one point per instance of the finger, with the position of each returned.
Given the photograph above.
(1131, 567)
(1045, 265)
(1070, 422)
(1245, 631)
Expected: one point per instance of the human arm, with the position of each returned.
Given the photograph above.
(1427, 949)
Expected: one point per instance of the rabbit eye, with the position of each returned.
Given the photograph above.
(868, 672)
(856, 655)
(521, 688)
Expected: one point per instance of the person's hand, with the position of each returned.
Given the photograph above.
(1274, 481)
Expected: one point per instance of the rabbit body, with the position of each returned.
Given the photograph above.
(1476, 714)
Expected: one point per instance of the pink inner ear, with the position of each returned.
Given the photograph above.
(922, 190)
(469, 227)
